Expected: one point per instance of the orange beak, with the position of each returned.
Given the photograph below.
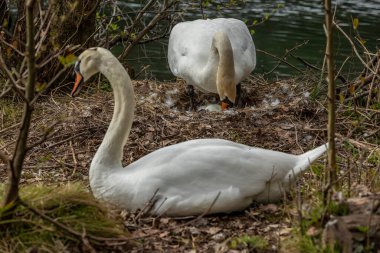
(224, 106)
(78, 81)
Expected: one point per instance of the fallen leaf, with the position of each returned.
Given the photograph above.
(270, 208)
(313, 231)
(213, 230)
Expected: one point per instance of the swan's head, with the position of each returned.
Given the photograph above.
(228, 94)
(87, 65)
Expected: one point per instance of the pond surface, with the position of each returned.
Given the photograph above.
(293, 24)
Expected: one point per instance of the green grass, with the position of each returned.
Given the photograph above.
(11, 112)
(247, 241)
(71, 205)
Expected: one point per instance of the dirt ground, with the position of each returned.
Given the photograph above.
(279, 115)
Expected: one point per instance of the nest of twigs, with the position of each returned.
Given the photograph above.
(280, 115)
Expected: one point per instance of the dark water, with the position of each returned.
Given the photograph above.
(292, 24)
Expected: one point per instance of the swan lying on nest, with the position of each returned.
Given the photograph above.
(214, 55)
(186, 178)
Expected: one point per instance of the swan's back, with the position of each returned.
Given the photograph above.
(190, 44)
(191, 174)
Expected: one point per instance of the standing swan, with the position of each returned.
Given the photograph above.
(214, 54)
(182, 179)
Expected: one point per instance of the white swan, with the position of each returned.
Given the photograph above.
(187, 176)
(214, 55)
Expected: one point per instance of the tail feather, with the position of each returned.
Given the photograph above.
(307, 158)
(304, 161)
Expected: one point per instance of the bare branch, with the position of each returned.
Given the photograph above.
(94, 8)
(6, 89)
(159, 16)
(15, 166)
(12, 80)
(135, 21)
(286, 54)
(48, 133)
(11, 46)
(355, 50)
(278, 58)
(51, 82)
(10, 35)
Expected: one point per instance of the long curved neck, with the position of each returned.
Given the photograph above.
(220, 64)
(110, 151)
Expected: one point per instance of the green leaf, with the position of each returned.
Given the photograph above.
(341, 98)
(355, 23)
(40, 86)
(5, 23)
(67, 60)
(363, 229)
(114, 27)
(62, 60)
(70, 59)
(252, 31)
(266, 16)
(233, 244)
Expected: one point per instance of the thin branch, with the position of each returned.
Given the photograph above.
(278, 58)
(5, 91)
(154, 38)
(142, 70)
(12, 80)
(51, 82)
(148, 206)
(56, 223)
(68, 229)
(151, 24)
(307, 64)
(286, 54)
(48, 133)
(94, 8)
(53, 57)
(13, 47)
(207, 211)
(355, 50)
(13, 37)
(371, 86)
(45, 33)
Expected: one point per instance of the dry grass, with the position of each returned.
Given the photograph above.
(278, 115)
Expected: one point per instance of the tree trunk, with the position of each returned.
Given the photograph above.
(331, 173)
(16, 164)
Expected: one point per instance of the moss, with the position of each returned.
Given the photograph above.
(247, 241)
(71, 205)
